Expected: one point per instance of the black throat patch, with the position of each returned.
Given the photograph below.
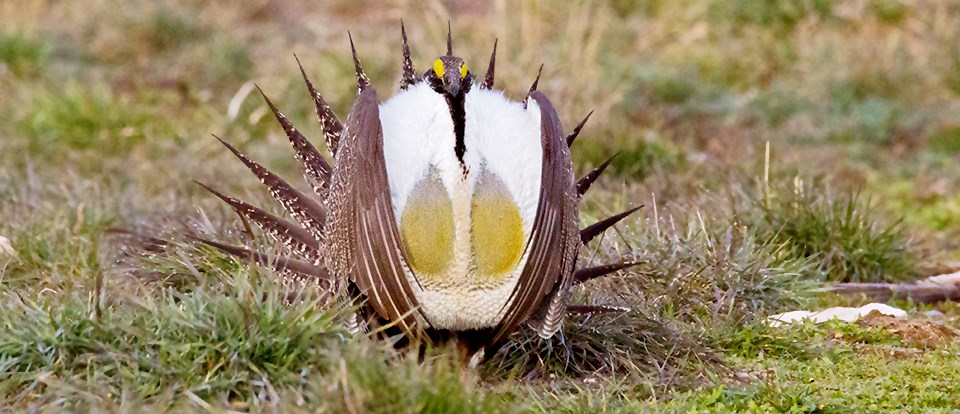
(458, 111)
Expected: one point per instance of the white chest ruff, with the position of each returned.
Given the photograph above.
(502, 139)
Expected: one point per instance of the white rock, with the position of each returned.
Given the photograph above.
(883, 309)
(841, 313)
(788, 317)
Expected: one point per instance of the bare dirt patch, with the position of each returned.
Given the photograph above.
(915, 333)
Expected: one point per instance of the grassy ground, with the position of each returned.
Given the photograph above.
(777, 145)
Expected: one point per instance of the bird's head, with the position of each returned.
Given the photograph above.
(450, 76)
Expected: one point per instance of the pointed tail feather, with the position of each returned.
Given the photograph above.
(449, 40)
(316, 170)
(576, 131)
(537, 80)
(142, 242)
(289, 234)
(584, 183)
(332, 128)
(409, 73)
(362, 80)
(288, 267)
(533, 87)
(488, 77)
(590, 273)
(592, 309)
(590, 232)
(304, 209)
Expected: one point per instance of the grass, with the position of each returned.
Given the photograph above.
(21, 55)
(109, 110)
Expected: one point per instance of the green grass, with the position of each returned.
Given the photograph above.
(844, 233)
(110, 107)
(22, 55)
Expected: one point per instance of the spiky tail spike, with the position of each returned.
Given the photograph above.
(362, 80)
(296, 269)
(576, 131)
(316, 169)
(593, 230)
(592, 309)
(293, 237)
(409, 73)
(537, 80)
(332, 128)
(305, 210)
(449, 40)
(584, 183)
(590, 273)
(534, 86)
(488, 77)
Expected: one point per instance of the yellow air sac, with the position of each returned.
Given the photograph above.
(426, 228)
(496, 229)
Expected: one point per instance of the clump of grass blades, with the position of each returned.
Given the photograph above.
(210, 344)
(849, 238)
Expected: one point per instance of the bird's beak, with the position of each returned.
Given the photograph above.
(453, 84)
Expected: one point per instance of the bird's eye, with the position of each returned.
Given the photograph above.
(438, 67)
(463, 70)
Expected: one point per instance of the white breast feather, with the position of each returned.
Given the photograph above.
(416, 126)
(507, 138)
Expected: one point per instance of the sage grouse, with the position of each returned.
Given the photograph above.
(448, 211)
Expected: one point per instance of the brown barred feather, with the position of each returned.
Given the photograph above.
(310, 214)
(292, 236)
(546, 276)
(332, 128)
(362, 80)
(593, 309)
(293, 268)
(409, 73)
(316, 169)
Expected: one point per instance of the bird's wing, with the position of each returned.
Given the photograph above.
(364, 236)
(547, 274)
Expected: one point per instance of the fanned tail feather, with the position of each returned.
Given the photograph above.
(576, 131)
(316, 169)
(304, 209)
(363, 82)
(584, 183)
(590, 273)
(590, 232)
(296, 269)
(449, 39)
(488, 77)
(409, 73)
(292, 236)
(536, 81)
(592, 309)
(332, 127)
